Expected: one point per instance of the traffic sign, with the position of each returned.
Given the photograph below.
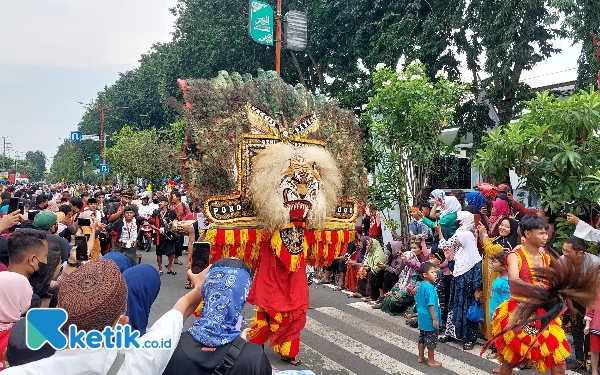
(75, 136)
(261, 22)
(91, 137)
(104, 168)
(96, 160)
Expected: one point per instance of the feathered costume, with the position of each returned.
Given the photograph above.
(286, 210)
(527, 327)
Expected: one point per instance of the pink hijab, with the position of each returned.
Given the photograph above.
(15, 298)
(502, 209)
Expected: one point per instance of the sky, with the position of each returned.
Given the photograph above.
(54, 54)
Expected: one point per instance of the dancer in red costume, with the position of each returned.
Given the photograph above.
(527, 328)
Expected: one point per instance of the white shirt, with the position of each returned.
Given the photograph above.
(129, 232)
(98, 362)
(146, 210)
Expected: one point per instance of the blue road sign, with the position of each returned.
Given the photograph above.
(75, 136)
(104, 168)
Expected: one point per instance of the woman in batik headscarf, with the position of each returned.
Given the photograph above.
(467, 283)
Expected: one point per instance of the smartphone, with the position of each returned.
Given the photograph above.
(200, 256)
(13, 205)
(477, 219)
(567, 208)
(21, 208)
(31, 215)
(84, 222)
(81, 253)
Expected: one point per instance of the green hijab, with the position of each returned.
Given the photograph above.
(375, 255)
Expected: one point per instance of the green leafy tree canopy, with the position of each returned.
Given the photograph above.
(553, 147)
(407, 114)
(142, 154)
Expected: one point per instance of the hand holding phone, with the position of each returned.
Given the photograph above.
(200, 256)
(81, 253)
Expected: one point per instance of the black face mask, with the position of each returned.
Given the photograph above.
(42, 267)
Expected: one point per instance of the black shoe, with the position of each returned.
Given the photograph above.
(445, 339)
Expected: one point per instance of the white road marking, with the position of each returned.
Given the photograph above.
(401, 323)
(328, 364)
(403, 343)
(366, 353)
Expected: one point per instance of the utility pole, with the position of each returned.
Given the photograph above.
(278, 38)
(4, 149)
(102, 137)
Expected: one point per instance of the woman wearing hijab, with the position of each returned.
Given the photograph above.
(202, 348)
(121, 260)
(505, 241)
(450, 206)
(475, 199)
(500, 210)
(402, 296)
(361, 274)
(143, 285)
(375, 257)
(15, 299)
(352, 265)
(467, 282)
(388, 274)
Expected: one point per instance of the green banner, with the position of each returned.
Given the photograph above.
(261, 22)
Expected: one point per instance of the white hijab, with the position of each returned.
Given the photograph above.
(451, 204)
(467, 255)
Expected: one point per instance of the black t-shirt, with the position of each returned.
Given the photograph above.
(4, 251)
(65, 246)
(189, 358)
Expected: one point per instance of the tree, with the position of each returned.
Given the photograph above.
(554, 148)
(67, 164)
(142, 154)
(38, 160)
(406, 114)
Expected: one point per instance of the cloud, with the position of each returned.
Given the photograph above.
(82, 33)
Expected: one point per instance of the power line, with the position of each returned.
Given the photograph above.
(548, 74)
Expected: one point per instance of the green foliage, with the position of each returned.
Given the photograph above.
(554, 146)
(142, 154)
(581, 17)
(38, 160)
(407, 114)
(68, 164)
(178, 131)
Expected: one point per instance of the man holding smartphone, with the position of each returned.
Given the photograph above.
(125, 234)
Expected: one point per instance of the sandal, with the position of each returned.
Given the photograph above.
(171, 272)
(468, 346)
(177, 262)
(160, 272)
(445, 339)
(338, 288)
(188, 285)
(292, 361)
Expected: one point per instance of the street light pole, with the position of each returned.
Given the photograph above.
(278, 38)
